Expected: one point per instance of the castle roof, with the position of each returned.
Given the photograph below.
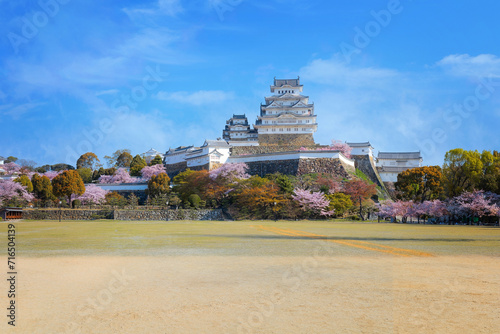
(216, 143)
(153, 152)
(365, 144)
(287, 82)
(240, 116)
(399, 155)
(181, 149)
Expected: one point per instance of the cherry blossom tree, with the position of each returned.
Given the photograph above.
(11, 168)
(11, 191)
(120, 176)
(477, 204)
(148, 171)
(404, 209)
(52, 174)
(230, 172)
(93, 195)
(313, 202)
(337, 145)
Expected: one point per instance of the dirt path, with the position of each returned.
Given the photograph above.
(244, 294)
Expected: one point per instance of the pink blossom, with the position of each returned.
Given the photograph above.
(476, 204)
(52, 174)
(230, 171)
(345, 149)
(149, 171)
(404, 209)
(11, 168)
(93, 195)
(336, 145)
(11, 190)
(312, 201)
(120, 176)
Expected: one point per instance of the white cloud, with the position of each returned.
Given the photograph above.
(162, 7)
(19, 110)
(107, 92)
(337, 72)
(483, 65)
(198, 98)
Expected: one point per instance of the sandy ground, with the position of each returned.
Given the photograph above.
(320, 293)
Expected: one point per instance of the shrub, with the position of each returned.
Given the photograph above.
(76, 203)
(194, 200)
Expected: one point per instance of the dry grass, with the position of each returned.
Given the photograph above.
(255, 277)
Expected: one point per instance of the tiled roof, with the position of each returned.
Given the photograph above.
(216, 143)
(240, 116)
(365, 144)
(291, 82)
(399, 155)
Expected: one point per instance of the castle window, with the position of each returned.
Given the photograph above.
(281, 129)
(288, 129)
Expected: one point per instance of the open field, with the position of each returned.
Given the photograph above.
(254, 277)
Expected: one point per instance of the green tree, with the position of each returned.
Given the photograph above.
(137, 164)
(87, 160)
(61, 166)
(42, 188)
(115, 199)
(490, 178)
(10, 159)
(85, 174)
(124, 160)
(462, 171)
(194, 200)
(25, 181)
(133, 200)
(156, 161)
(158, 184)
(98, 173)
(67, 184)
(420, 184)
(111, 160)
(339, 202)
(283, 181)
(174, 200)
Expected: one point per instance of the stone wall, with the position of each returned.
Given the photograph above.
(174, 169)
(154, 215)
(366, 164)
(134, 215)
(202, 167)
(67, 214)
(286, 139)
(300, 167)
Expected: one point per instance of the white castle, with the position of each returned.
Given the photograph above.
(286, 123)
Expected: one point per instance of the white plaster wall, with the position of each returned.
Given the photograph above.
(388, 177)
(175, 158)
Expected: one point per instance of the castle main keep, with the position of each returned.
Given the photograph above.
(286, 118)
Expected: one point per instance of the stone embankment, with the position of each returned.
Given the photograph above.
(133, 215)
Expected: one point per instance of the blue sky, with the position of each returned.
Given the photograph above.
(98, 76)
